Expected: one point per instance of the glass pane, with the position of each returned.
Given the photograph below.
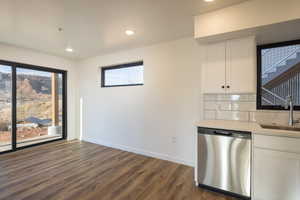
(39, 106)
(124, 76)
(5, 108)
(280, 75)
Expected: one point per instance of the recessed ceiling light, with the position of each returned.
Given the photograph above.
(208, 0)
(69, 49)
(129, 32)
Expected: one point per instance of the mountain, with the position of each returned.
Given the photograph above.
(29, 83)
(38, 84)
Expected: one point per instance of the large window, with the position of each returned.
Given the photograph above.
(278, 75)
(32, 105)
(5, 108)
(130, 74)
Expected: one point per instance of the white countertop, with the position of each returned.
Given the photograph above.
(255, 128)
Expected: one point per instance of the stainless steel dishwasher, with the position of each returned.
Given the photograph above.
(224, 161)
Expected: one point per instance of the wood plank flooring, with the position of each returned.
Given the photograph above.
(84, 171)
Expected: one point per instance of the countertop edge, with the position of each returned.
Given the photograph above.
(252, 127)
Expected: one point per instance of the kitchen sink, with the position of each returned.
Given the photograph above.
(278, 127)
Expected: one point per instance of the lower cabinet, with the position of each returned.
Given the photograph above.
(276, 175)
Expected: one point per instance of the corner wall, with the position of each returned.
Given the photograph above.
(157, 119)
(15, 54)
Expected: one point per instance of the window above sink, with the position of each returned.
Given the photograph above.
(278, 75)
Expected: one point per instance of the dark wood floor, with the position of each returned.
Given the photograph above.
(84, 171)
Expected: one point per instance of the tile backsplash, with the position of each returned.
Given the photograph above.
(240, 107)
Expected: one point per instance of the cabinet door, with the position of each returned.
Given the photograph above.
(276, 175)
(241, 65)
(213, 69)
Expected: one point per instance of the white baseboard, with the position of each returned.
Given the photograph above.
(141, 152)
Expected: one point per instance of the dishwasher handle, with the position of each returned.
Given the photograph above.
(225, 133)
(222, 132)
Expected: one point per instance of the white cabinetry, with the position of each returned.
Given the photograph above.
(276, 168)
(230, 67)
(214, 69)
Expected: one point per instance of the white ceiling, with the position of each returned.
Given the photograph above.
(94, 27)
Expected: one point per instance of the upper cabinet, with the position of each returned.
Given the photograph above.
(241, 65)
(230, 67)
(214, 69)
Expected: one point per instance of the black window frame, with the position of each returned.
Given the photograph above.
(259, 48)
(14, 66)
(119, 66)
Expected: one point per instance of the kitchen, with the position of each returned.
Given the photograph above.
(247, 145)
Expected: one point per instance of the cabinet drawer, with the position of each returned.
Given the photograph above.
(277, 143)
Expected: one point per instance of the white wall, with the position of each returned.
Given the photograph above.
(21, 55)
(249, 14)
(144, 119)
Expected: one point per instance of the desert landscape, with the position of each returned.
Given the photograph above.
(34, 106)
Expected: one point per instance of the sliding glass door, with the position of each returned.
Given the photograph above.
(5, 108)
(39, 106)
(32, 105)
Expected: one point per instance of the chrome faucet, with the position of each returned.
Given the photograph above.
(289, 103)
